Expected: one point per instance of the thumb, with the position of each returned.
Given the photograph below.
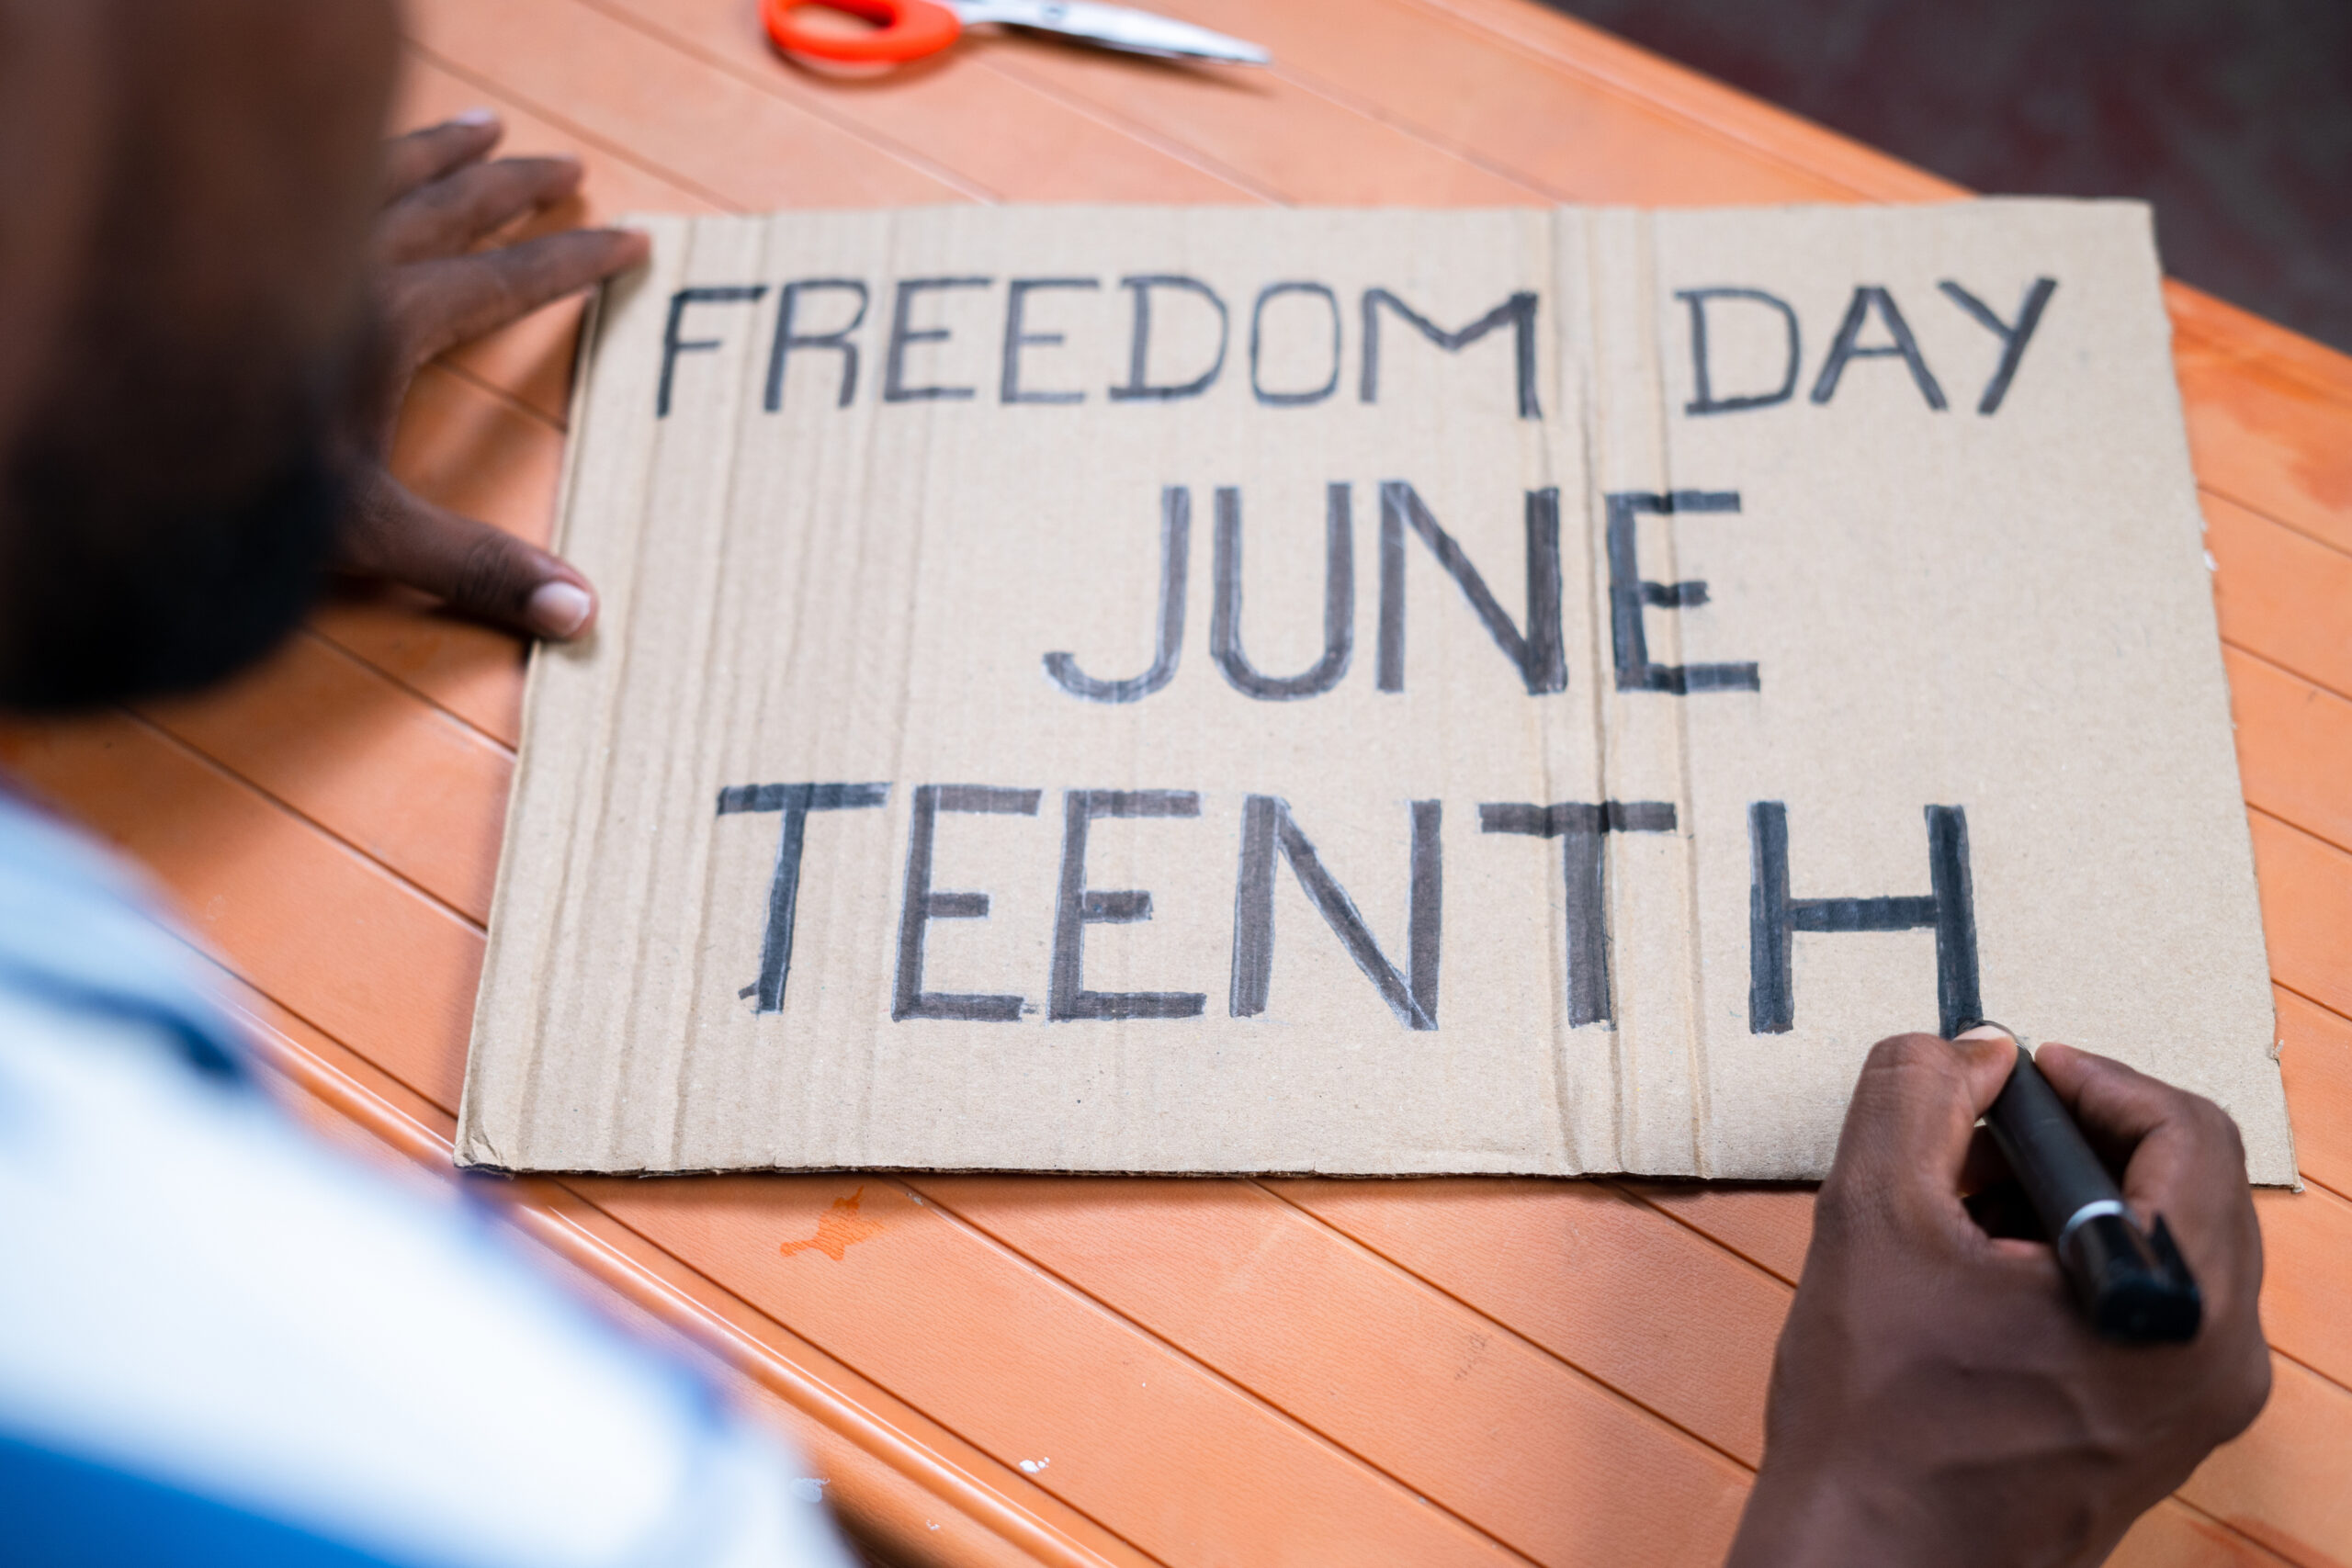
(1908, 1126)
(480, 569)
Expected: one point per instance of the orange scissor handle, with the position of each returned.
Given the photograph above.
(909, 31)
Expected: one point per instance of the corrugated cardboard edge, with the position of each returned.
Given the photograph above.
(470, 1150)
(2244, 838)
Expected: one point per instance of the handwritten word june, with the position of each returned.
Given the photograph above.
(1272, 838)
(1535, 650)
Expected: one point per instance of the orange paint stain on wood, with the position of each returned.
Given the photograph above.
(839, 1228)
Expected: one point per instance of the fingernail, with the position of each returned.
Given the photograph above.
(559, 608)
(1987, 1030)
(475, 117)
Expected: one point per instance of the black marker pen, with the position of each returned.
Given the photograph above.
(2133, 1286)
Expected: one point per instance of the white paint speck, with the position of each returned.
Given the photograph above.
(1032, 1466)
(2211, 564)
(810, 1489)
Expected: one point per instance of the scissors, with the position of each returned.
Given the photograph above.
(910, 29)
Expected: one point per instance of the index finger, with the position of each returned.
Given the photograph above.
(411, 160)
(2184, 1157)
(1907, 1128)
(443, 303)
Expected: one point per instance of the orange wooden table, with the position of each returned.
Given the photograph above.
(1206, 1373)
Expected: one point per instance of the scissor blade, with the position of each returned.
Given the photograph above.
(1114, 26)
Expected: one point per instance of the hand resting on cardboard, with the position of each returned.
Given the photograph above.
(439, 287)
(1936, 1398)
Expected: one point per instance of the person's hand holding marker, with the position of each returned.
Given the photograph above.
(437, 290)
(1938, 1396)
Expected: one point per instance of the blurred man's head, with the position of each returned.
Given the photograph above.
(185, 199)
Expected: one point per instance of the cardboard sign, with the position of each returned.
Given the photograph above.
(1363, 691)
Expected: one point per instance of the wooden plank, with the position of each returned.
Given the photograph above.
(1271, 134)
(473, 671)
(1182, 1463)
(2268, 437)
(2294, 747)
(2172, 1534)
(1505, 108)
(2316, 1057)
(1371, 59)
(2306, 910)
(2279, 351)
(1451, 1402)
(307, 919)
(2281, 595)
(1258, 131)
(1648, 1307)
(368, 759)
(2307, 1277)
(589, 74)
(1769, 1224)
(1038, 148)
(2287, 1482)
(477, 454)
(1600, 62)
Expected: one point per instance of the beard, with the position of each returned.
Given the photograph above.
(170, 513)
(109, 598)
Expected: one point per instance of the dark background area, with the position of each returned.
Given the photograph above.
(2233, 117)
